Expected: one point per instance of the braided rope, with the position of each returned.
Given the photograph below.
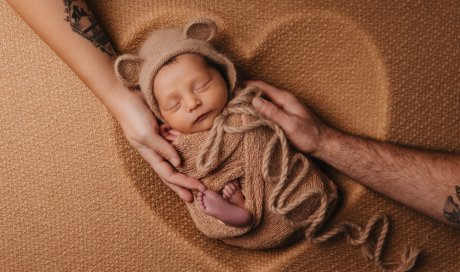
(241, 104)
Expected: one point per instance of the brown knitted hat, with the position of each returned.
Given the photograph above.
(162, 45)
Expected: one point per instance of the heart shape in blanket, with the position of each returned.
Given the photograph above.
(325, 59)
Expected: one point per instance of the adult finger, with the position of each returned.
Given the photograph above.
(286, 101)
(183, 193)
(165, 171)
(271, 111)
(159, 145)
(179, 183)
(279, 97)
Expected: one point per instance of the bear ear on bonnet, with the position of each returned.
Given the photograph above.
(201, 29)
(127, 68)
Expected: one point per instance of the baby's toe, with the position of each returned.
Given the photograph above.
(201, 202)
(199, 197)
(225, 195)
(236, 183)
(228, 190)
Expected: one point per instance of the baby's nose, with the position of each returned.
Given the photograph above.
(193, 103)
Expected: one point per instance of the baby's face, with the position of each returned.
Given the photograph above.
(189, 93)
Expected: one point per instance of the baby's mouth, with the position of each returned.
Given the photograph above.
(201, 117)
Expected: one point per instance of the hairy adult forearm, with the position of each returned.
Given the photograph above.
(428, 182)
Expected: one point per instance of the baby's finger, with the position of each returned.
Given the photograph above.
(175, 132)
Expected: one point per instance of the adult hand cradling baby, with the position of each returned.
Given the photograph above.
(383, 167)
(141, 130)
(303, 129)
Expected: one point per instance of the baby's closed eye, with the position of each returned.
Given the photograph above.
(172, 105)
(203, 86)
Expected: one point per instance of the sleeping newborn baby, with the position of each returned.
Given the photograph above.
(260, 192)
(190, 93)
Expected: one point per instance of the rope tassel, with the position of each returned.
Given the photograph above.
(285, 185)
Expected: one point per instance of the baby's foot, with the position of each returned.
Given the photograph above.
(215, 205)
(232, 192)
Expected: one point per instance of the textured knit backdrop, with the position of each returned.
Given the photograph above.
(74, 196)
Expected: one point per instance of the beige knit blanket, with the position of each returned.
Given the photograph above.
(240, 157)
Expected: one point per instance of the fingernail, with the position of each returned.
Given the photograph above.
(175, 162)
(258, 102)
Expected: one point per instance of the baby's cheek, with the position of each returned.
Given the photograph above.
(209, 123)
(184, 124)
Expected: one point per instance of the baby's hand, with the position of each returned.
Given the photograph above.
(169, 133)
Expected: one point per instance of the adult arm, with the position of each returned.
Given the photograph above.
(71, 30)
(428, 182)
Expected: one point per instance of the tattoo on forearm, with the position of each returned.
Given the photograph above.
(83, 22)
(451, 208)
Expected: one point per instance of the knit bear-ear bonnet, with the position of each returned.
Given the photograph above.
(164, 44)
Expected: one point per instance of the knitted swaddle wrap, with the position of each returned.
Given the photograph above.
(286, 193)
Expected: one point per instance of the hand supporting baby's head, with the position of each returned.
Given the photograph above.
(185, 81)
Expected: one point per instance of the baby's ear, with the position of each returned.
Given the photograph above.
(127, 68)
(201, 29)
